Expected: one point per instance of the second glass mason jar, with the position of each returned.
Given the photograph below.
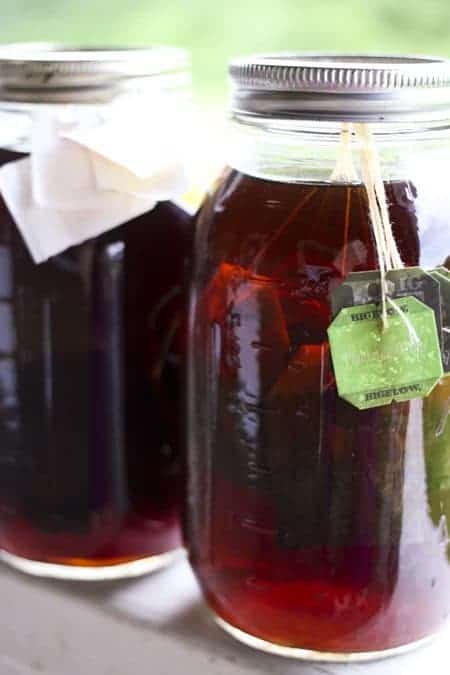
(317, 530)
(91, 337)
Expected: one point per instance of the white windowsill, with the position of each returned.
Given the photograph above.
(156, 625)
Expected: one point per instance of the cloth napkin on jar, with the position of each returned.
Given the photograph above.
(84, 178)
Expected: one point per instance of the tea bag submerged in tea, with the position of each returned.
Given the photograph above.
(436, 438)
(442, 276)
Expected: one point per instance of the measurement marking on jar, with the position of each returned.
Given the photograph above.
(258, 470)
(261, 346)
(295, 366)
(251, 523)
(305, 412)
(253, 407)
(256, 584)
(351, 601)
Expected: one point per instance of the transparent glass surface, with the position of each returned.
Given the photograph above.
(91, 357)
(312, 525)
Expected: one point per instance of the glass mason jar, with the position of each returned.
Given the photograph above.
(316, 530)
(92, 341)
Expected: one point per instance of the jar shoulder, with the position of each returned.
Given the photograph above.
(306, 221)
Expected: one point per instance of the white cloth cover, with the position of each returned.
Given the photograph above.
(86, 177)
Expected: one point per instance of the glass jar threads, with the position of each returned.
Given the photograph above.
(92, 257)
(319, 500)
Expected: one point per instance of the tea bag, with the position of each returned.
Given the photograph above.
(442, 276)
(436, 436)
(374, 366)
(374, 351)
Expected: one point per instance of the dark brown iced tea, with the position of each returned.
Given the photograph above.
(91, 361)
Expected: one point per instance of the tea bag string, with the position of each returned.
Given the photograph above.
(344, 170)
(368, 159)
(379, 213)
(386, 247)
(387, 251)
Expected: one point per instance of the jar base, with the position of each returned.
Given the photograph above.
(126, 570)
(313, 655)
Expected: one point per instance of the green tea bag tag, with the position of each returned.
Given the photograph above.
(374, 367)
(362, 288)
(441, 270)
(441, 274)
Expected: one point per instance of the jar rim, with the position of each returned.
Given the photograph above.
(39, 72)
(341, 87)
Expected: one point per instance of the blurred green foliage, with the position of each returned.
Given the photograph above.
(215, 31)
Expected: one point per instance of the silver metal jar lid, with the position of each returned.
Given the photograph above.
(52, 73)
(341, 87)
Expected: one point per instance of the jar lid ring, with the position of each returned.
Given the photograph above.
(341, 87)
(55, 73)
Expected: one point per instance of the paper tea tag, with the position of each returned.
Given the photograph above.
(441, 270)
(361, 288)
(442, 276)
(374, 367)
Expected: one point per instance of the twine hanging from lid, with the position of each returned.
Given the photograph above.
(387, 252)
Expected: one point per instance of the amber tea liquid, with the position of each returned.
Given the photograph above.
(312, 524)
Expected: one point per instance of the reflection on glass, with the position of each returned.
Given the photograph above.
(91, 354)
(308, 522)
